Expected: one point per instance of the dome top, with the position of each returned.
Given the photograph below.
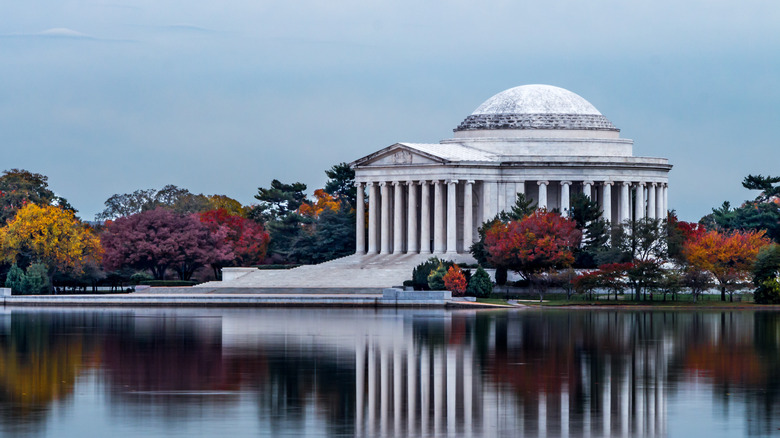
(536, 107)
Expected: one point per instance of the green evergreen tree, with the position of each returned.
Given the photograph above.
(595, 230)
(15, 280)
(480, 285)
(36, 279)
(331, 236)
(341, 183)
(278, 212)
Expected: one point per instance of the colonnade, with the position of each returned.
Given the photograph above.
(441, 216)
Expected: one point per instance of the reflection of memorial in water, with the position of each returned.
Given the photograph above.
(511, 373)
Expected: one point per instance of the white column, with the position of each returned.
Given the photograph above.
(666, 200)
(411, 218)
(509, 195)
(385, 214)
(373, 197)
(438, 217)
(565, 197)
(360, 220)
(625, 201)
(587, 188)
(425, 218)
(542, 193)
(659, 201)
(489, 190)
(651, 210)
(468, 220)
(606, 201)
(398, 218)
(639, 206)
(452, 216)
(501, 198)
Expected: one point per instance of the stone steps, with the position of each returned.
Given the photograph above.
(357, 272)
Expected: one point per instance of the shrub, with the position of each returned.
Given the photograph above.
(480, 285)
(768, 292)
(423, 270)
(140, 277)
(436, 278)
(455, 281)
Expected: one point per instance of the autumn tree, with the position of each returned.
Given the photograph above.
(230, 205)
(322, 201)
(49, 235)
(244, 242)
(159, 240)
(455, 281)
(678, 233)
(523, 208)
(538, 244)
(19, 187)
(728, 256)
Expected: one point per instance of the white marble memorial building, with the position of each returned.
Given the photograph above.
(540, 140)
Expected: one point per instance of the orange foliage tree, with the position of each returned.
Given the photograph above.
(455, 281)
(324, 201)
(49, 235)
(539, 243)
(729, 257)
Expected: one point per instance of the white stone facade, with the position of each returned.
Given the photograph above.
(431, 198)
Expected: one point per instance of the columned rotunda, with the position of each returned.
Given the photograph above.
(540, 140)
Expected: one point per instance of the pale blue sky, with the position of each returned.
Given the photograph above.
(108, 97)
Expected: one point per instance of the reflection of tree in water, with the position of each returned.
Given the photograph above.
(41, 356)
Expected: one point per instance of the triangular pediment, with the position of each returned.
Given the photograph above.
(399, 154)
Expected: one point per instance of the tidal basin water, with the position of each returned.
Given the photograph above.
(365, 372)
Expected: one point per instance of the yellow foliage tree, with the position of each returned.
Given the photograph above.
(324, 202)
(233, 207)
(729, 257)
(49, 235)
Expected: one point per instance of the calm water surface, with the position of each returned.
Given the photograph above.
(361, 372)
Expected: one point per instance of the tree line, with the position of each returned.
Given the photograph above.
(732, 249)
(160, 234)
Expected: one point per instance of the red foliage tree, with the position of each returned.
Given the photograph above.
(455, 281)
(538, 243)
(244, 242)
(159, 240)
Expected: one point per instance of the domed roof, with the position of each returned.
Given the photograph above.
(536, 107)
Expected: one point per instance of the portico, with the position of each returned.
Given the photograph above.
(542, 141)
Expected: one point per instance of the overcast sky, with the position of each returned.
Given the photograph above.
(222, 97)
